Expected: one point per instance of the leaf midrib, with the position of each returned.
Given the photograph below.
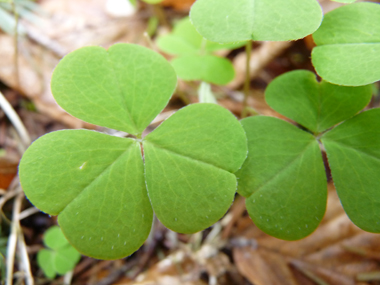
(278, 173)
(349, 44)
(121, 93)
(185, 156)
(343, 145)
(97, 177)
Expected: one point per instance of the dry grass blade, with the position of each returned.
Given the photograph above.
(15, 120)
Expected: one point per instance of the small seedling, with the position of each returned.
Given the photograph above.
(284, 177)
(59, 257)
(195, 59)
(101, 187)
(348, 52)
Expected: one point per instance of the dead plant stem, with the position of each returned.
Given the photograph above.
(12, 240)
(160, 14)
(15, 120)
(247, 83)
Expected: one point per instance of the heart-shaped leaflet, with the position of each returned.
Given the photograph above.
(97, 183)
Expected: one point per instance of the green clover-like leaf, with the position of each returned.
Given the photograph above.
(209, 68)
(185, 40)
(98, 184)
(115, 85)
(195, 60)
(354, 158)
(317, 106)
(229, 21)
(348, 45)
(45, 260)
(189, 168)
(54, 238)
(95, 182)
(283, 178)
(65, 260)
(60, 258)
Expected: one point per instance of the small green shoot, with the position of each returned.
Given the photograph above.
(59, 257)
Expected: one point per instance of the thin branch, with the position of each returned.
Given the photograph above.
(260, 57)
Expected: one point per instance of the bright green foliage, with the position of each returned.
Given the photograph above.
(181, 159)
(316, 106)
(185, 40)
(229, 21)
(195, 61)
(99, 184)
(209, 68)
(283, 176)
(100, 80)
(82, 183)
(60, 257)
(354, 157)
(348, 45)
